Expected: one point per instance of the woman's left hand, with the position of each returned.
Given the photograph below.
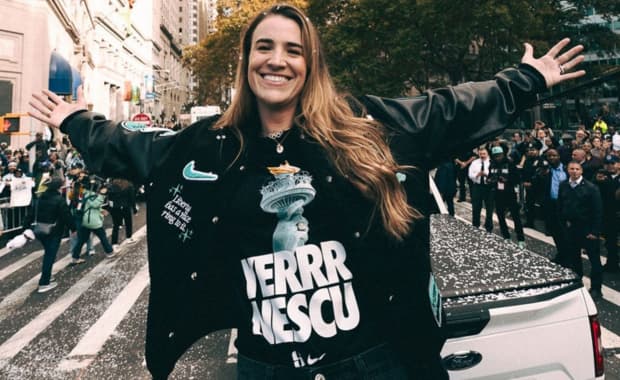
(556, 66)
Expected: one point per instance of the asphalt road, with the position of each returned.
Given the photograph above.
(92, 326)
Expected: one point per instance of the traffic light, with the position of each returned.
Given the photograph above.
(10, 123)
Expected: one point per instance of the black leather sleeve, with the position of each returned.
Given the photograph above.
(114, 149)
(441, 123)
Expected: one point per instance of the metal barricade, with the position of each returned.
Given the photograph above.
(12, 218)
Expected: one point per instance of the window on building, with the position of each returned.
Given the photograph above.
(6, 97)
(6, 105)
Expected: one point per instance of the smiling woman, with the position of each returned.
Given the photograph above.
(277, 70)
(299, 216)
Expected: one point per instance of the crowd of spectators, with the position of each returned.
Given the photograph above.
(528, 176)
(59, 159)
(55, 195)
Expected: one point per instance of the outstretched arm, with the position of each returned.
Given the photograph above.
(115, 150)
(446, 121)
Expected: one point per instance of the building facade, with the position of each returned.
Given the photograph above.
(125, 53)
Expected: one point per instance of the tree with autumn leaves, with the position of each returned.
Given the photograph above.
(214, 60)
(398, 47)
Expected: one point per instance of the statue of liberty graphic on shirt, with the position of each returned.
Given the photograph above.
(286, 196)
(298, 290)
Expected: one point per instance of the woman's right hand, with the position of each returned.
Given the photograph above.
(52, 109)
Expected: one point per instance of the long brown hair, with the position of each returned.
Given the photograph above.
(356, 145)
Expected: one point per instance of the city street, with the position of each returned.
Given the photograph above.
(92, 326)
(284, 150)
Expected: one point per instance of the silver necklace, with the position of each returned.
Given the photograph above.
(276, 135)
(279, 138)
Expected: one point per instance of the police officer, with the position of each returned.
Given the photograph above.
(530, 165)
(503, 178)
(581, 214)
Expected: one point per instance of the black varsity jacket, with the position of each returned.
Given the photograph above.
(189, 174)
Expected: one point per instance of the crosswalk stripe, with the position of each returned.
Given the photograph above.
(610, 340)
(232, 350)
(92, 342)
(7, 271)
(19, 295)
(32, 257)
(23, 337)
(4, 251)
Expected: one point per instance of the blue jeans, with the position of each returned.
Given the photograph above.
(377, 363)
(84, 235)
(77, 218)
(50, 243)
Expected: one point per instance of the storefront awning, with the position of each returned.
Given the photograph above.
(61, 77)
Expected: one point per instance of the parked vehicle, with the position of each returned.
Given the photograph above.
(511, 313)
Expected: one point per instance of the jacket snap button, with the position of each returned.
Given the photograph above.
(215, 219)
(194, 275)
(357, 234)
(329, 179)
(241, 168)
(171, 334)
(218, 137)
(319, 376)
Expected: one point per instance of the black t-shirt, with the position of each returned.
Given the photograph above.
(306, 284)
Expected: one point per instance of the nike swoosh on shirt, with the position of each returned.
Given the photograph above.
(312, 360)
(191, 174)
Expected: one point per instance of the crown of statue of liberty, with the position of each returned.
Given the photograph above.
(290, 185)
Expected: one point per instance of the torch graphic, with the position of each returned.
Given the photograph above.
(286, 196)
